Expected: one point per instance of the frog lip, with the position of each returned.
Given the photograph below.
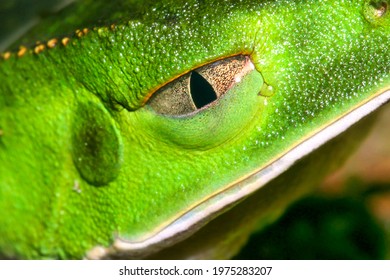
(188, 223)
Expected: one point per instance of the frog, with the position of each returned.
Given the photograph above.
(172, 129)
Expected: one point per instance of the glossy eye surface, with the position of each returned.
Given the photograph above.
(201, 87)
(377, 12)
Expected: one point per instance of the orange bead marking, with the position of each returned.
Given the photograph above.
(22, 51)
(65, 41)
(52, 43)
(6, 55)
(39, 48)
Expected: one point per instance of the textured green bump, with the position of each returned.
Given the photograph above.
(97, 149)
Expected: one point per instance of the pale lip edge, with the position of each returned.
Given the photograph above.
(247, 185)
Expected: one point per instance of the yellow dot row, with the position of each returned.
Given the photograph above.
(39, 47)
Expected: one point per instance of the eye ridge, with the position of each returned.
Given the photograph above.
(199, 88)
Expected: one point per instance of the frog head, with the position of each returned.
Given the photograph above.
(132, 136)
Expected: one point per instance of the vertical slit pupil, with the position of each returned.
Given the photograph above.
(202, 92)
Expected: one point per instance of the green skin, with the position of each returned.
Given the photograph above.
(84, 159)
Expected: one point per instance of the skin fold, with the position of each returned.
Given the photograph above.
(85, 159)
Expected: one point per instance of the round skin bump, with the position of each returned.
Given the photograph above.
(97, 147)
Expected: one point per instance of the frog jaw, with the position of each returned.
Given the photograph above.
(200, 214)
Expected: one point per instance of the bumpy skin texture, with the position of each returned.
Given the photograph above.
(82, 156)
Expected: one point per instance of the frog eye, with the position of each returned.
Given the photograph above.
(200, 88)
(377, 12)
(206, 107)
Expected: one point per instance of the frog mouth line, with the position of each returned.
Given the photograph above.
(189, 222)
